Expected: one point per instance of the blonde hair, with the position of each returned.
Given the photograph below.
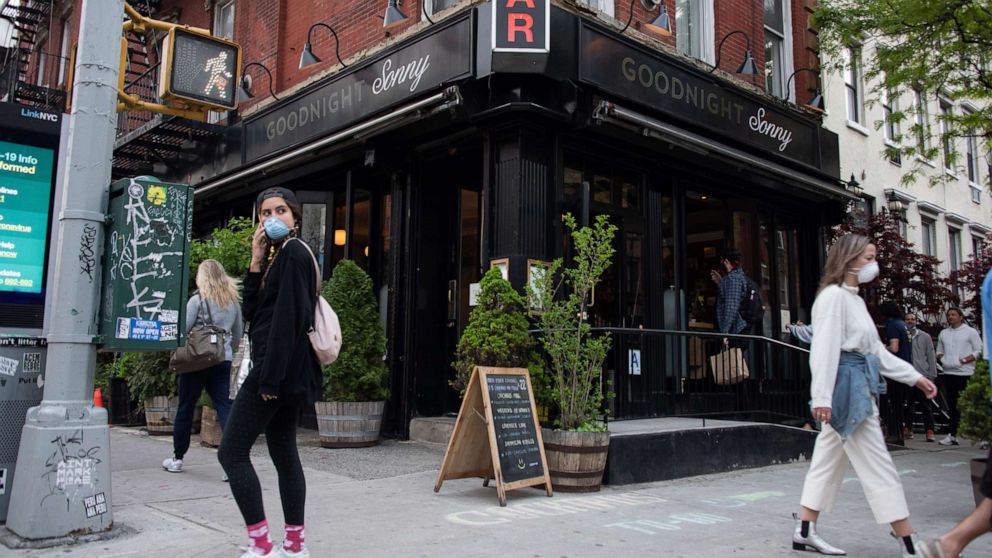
(216, 285)
(845, 250)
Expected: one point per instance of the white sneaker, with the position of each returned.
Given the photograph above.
(303, 553)
(223, 478)
(173, 465)
(252, 552)
(949, 441)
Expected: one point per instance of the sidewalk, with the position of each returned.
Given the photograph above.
(379, 502)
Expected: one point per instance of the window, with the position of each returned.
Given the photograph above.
(852, 79)
(435, 6)
(946, 139)
(977, 243)
(66, 50)
(224, 19)
(890, 106)
(976, 194)
(694, 29)
(971, 160)
(929, 237)
(605, 6)
(922, 126)
(776, 47)
(954, 236)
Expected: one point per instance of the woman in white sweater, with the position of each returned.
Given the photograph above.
(846, 358)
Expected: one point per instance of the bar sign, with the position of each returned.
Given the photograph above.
(522, 26)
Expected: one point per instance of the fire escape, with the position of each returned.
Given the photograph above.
(30, 20)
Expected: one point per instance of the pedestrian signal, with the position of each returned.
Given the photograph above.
(200, 69)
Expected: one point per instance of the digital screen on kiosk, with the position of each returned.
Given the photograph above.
(25, 203)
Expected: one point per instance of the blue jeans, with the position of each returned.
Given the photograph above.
(217, 380)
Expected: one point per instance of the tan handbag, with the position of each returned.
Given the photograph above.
(729, 366)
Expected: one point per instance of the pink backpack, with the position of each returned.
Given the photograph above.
(325, 333)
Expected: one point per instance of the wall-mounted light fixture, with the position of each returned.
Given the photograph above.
(854, 187)
(308, 58)
(393, 15)
(747, 67)
(244, 92)
(340, 237)
(817, 100)
(660, 25)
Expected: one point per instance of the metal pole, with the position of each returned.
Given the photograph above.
(63, 466)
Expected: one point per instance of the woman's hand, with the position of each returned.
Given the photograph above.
(927, 387)
(267, 397)
(822, 414)
(715, 276)
(259, 247)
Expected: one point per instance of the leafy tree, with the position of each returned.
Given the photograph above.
(934, 46)
(908, 278)
(968, 279)
(230, 245)
(359, 373)
(575, 354)
(497, 335)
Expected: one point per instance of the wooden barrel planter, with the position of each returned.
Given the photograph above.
(209, 428)
(160, 415)
(576, 460)
(343, 424)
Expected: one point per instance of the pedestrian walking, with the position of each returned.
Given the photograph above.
(979, 521)
(279, 298)
(925, 362)
(216, 301)
(846, 358)
(958, 347)
(894, 402)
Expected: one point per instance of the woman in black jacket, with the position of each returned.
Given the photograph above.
(280, 293)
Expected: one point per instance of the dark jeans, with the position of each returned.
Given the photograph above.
(953, 386)
(250, 416)
(919, 400)
(895, 406)
(217, 380)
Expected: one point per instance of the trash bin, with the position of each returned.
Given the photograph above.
(22, 363)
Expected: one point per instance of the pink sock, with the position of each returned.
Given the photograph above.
(259, 535)
(294, 538)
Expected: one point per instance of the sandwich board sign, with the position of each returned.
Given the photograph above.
(497, 434)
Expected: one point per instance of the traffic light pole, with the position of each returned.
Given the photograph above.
(62, 484)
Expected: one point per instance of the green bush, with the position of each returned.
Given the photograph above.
(359, 373)
(497, 335)
(976, 421)
(148, 374)
(230, 245)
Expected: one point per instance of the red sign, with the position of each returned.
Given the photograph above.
(521, 25)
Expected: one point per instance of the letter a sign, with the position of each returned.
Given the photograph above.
(521, 25)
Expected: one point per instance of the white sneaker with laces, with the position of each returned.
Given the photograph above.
(173, 465)
(949, 441)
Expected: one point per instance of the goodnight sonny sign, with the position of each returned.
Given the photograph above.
(406, 74)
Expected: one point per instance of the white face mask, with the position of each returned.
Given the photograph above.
(867, 273)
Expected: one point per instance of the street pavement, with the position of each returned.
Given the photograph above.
(379, 502)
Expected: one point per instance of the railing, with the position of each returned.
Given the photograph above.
(16, 87)
(691, 373)
(145, 86)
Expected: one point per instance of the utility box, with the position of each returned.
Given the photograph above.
(146, 265)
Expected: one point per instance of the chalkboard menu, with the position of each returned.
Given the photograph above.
(497, 435)
(516, 432)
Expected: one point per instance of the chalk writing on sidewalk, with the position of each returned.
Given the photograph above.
(551, 508)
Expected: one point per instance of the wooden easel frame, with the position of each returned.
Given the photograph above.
(467, 454)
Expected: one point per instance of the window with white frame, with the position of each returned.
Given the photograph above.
(976, 194)
(776, 47)
(954, 237)
(435, 6)
(946, 139)
(977, 243)
(922, 123)
(971, 158)
(66, 50)
(890, 106)
(694, 29)
(224, 19)
(929, 227)
(852, 80)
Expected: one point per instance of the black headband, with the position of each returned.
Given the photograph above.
(276, 192)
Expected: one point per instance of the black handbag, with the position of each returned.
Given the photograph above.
(204, 346)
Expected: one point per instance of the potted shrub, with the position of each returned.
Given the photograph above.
(355, 385)
(210, 431)
(154, 385)
(976, 419)
(497, 335)
(575, 358)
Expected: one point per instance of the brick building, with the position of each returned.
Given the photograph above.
(453, 138)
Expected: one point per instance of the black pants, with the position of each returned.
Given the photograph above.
(895, 397)
(250, 417)
(217, 380)
(953, 386)
(919, 400)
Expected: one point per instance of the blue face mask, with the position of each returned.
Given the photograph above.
(275, 229)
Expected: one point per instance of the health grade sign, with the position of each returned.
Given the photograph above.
(25, 195)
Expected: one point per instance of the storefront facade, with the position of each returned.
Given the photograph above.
(437, 157)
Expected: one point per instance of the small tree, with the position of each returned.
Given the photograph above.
(968, 281)
(497, 335)
(230, 245)
(976, 421)
(576, 356)
(908, 278)
(359, 373)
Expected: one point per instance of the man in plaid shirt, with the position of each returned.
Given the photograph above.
(733, 287)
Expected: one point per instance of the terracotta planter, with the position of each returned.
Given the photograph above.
(344, 424)
(977, 471)
(210, 428)
(576, 460)
(160, 415)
